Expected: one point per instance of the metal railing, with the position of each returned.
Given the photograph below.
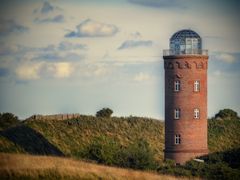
(171, 52)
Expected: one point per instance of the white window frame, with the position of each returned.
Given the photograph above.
(177, 85)
(177, 113)
(196, 113)
(196, 86)
(177, 139)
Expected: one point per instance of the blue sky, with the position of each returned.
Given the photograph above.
(79, 56)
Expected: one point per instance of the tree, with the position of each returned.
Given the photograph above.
(105, 113)
(227, 114)
(7, 120)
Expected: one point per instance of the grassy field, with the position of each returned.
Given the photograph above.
(19, 166)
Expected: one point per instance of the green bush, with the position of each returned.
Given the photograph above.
(227, 114)
(196, 168)
(104, 113)
(169, 167)
(104, 150)
(8, 120)
(137, 156)
(220, 165)
(221, 171)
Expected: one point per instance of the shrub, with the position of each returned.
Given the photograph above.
(221, 171)
(105, 113)
(218, 165)
(104, 150)
(137, 156)
(227, 114)
(169, 167)
(196, 168)
(108, 151)
(8, 120)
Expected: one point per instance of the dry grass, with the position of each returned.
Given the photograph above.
(16, 166)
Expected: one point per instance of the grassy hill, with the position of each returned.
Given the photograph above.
(72, 137)
(12, 167)
(130, 140)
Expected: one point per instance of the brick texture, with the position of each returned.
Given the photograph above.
(186, 69)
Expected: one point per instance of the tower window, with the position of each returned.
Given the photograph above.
(196, 113)
(196, 86)
(177, 85)
(177, 139)
(177, 113)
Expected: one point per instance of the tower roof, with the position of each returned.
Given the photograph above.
(185, 42)
(183, 34)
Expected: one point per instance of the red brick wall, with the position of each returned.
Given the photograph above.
(187, 69)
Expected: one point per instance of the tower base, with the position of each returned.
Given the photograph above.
(182, 156)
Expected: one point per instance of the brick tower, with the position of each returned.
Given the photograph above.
(185, 65)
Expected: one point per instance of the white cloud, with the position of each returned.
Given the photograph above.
(90, 28)
(226, 57)
(28, 71)
(95, 70)
(141, 77)
(63, 69)
(38, 70)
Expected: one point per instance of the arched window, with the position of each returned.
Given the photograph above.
(196, 86)
(177, 139)
(196, 113)
(177, 85)
(177, 113)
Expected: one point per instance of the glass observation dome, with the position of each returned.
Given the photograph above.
(185, 42)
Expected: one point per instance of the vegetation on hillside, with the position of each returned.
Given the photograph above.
(130, 142)
(220, 165)
(137, 155)
(73, 137)
(223, 134)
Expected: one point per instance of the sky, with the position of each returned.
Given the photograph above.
(79, 56)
